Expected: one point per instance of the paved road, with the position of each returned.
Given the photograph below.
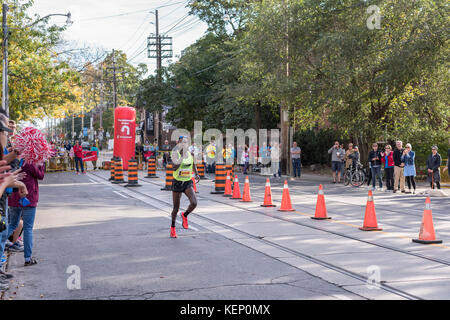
(123, 251)
(119, 239)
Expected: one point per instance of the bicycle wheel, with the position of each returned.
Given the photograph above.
(358, 178)
(347, 177)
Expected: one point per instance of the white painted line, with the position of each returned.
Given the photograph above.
(123, 196)
(144, 199)
(341, 297)
(66, 184)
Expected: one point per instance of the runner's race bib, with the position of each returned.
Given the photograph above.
(184, 173)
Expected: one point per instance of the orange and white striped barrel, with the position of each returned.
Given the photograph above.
(133, 174)
(169, 178)
(151, 168)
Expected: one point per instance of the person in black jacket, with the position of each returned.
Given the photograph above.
(375, 166)
(433, 164)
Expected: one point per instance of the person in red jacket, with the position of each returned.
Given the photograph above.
(387, 158)
(18, 209)
(78, 151)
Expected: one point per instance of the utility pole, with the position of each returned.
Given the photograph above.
(5, 104)
(158, 47)
(156, 122)
(101, 106)
(114, 79)
(284, 113)
(73, 127)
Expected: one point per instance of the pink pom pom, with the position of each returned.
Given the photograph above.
(32, 145)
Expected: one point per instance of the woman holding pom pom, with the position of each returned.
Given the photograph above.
(7, 180)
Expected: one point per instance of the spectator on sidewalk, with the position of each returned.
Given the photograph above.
(336, 161)
(433, 167)
(275, 159)
(245, 159)
(355, 157)
(139, 152)
(211, 150)
(342, 160)
(78, 151)
(253, 156)
(28, 213)
(347, 159)
(375, 166)
(72, 159)
(296, 159)
(399, 176)
(94, 162)
(388, 163)
(408, 158)
(265, 155)
(165, 148)
(7, 181)
(68, 146)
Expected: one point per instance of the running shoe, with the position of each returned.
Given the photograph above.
(8, 244)
(15, 248)
(3, 259)
(6, 275)
(4, 285)
(185, 221)
(30, 261)
(173, 232)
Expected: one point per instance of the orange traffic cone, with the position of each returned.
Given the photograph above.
(268, 196)
(193, 181)
(228, 189)
(236, 190)
(427, 235)
(286, 204)
(321, 209)
(370, 218)
(246, 195)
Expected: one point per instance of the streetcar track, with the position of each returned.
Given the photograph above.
(436, 216)
(331, 266)
(418, 255)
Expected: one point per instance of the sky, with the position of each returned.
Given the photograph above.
(124, 24)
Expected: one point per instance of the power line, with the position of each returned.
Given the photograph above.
(131, 12)
(179, 21)
(132, 37)
(134, 57)
(174, 10)
(186, 26)
(138, 38)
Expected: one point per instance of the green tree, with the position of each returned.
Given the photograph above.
(38, 81)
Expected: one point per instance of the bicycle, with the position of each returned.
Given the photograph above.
(355, 176)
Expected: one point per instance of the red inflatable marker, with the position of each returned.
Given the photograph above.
(124, 134)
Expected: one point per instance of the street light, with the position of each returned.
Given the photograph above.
(5, 8)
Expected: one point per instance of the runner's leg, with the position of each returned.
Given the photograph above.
(189, 192)
(176, 196)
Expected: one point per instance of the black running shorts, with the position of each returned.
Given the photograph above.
(181, 186)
